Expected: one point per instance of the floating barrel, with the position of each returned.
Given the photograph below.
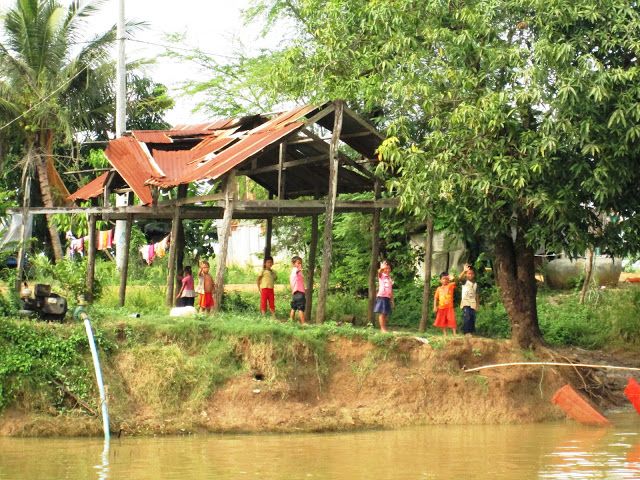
(632, 392)
(578, 408)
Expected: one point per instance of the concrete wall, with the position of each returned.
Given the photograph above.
(448, 253)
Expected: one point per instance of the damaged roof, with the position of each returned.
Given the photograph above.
(207, 151)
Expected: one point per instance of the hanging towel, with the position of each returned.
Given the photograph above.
(104, 240)
(161, 247)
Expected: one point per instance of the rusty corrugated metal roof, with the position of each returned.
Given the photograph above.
(207, 151)
(134, 163)
(208, 166)
(152, 136)
(92, 189)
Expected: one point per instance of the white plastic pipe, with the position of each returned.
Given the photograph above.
(98, 370)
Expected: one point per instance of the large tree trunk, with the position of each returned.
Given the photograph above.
(515, 276)
(47, 199)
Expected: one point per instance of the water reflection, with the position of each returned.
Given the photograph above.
(550, 451)
(103, 467)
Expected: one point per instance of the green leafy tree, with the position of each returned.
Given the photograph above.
(515, 120)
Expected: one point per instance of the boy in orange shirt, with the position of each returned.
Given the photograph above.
(443, 305)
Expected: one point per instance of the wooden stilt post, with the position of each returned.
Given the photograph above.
(182, 193)
(91, 259)
(125, 260)
(282, 174)
(426, 290)
(311, 267)
(224, 233)
(375, 253)
(173, 249)
(268, 233)
(330, 208)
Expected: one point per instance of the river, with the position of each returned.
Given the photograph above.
(478, 452)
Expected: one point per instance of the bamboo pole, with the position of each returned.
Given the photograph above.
(91, 259)
(375, 253)
(229, 197)
(552, 364)
(125, 260)
(334, 159)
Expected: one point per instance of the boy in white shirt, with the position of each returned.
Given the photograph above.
(470, 299)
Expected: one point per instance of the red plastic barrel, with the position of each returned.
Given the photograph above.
(632, 392)
(578, 408)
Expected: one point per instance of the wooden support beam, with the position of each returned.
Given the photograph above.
(363, 123)
(182, 193)
(288, 164)
(269, 233)
(91, 259)
(426, 289)
(224, 233)
(125, 260)
(311, 267)
(375, 253)
(343, 158)
(320, 115)
(281, 174)
(173, 249)
(334, 162)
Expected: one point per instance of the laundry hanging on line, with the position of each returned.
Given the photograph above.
(104, 240)
(151, 251)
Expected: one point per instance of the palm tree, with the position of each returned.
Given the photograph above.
(47, 65)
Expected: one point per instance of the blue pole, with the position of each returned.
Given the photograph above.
(96, 366)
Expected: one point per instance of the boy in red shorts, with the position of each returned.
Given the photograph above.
(206, 299)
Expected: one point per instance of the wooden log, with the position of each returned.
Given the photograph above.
(125, 260)
(173, 249)
(330, 208)
(375, 253)
(91, 259)
(311, 267)
(224, 233)
(426, 288)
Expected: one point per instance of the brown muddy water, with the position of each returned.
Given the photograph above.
(544, 451)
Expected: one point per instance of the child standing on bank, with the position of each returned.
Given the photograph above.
(199, 288)
(384, 297)
(266, 283)
(443, 305)
(296, 282)
(470, 299)
(187, 292)
(206, 299)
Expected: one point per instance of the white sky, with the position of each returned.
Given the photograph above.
(214, 26)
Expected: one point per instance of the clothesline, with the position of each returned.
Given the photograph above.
(104, 240)
(153, 250)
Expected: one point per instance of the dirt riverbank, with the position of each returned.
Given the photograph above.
(354, 385)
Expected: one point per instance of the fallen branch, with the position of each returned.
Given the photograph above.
(552, 364)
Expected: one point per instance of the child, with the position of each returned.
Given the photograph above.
(384, 298)
(266, 282)
(200, 285)
(443, 305)
(470, 300)
(296, 281)
(206, 299)
(187, 292)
